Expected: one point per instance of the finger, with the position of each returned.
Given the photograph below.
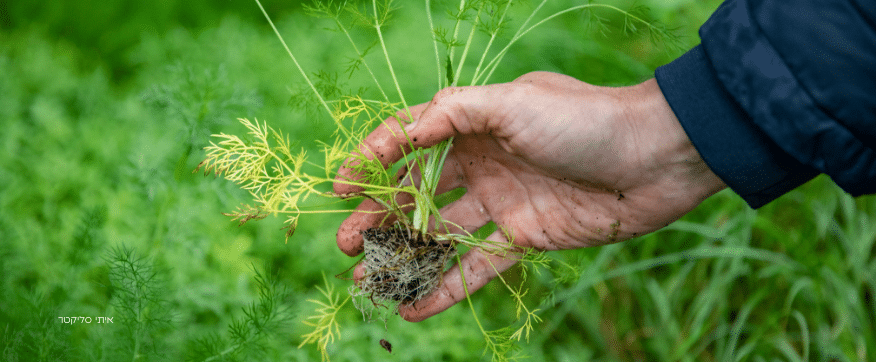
(478, 266)
(370, 214)
(359, 273)
(387, 143)
(367, 215)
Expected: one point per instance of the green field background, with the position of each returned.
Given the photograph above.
(106, 106)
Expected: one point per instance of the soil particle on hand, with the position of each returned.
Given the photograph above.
(615, 229)
(620, 195)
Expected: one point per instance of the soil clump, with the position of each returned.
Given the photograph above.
(401, 265)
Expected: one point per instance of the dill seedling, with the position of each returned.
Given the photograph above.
(142, 311)
(284, 181)
(249, 335)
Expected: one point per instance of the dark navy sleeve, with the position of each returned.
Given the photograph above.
(780, 91)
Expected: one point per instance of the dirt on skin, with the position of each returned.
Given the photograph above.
(401, 265)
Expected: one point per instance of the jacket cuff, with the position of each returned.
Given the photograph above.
(733, 147)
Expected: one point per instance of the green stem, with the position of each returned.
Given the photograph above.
(294, 60)
(359, 54)
(495, 62)
(477, 71)
(431, 174)
(462, 58)
(431, 168)
(389, 62)
(452, 47)
(362, 185)
(468, 296)
(434, 41)
(228, 350)
(495, 33)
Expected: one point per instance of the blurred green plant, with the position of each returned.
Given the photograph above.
(88, 164)
(141, 308)
(250, 336)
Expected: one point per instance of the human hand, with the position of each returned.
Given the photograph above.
(558, 163)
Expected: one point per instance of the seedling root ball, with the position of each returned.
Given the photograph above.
(401, 265)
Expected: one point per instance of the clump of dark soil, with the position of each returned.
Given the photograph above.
(401, 265)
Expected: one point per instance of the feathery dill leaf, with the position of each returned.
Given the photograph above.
(139, 300)
(249, 336)
(324, 320)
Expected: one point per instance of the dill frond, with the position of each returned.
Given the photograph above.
(501, 345)
(324, 320)
(248, 335)
(272, 174)
(139, 300)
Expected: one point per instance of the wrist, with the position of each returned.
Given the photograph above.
(673, 168)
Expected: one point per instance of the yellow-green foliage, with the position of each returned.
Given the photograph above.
(323, 321)
(282, 180)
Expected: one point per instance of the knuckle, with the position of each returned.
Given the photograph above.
(400, 115)
(445, 93)
(524, 90)
(549, 80)
(533, 77)
(446, 106)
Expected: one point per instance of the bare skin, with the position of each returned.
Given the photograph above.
(560, 163)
